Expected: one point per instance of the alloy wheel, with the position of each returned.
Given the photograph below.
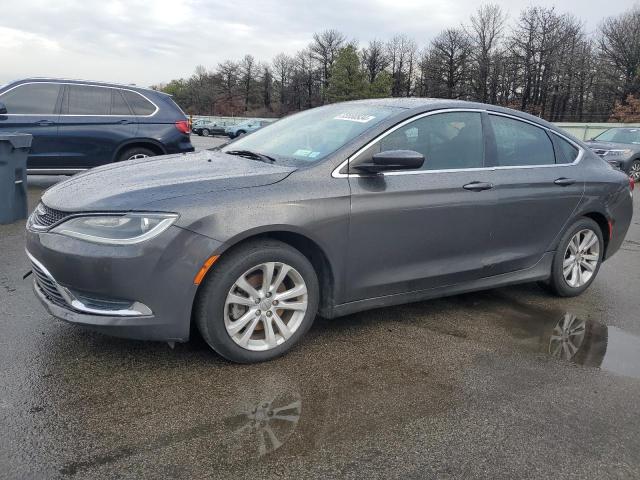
(567, 337)
(265, 306)
(137, 155)
(634, 171)
(581, 258)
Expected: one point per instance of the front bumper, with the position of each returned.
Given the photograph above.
(143, 291)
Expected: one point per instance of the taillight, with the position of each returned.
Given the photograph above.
(632, 183)
(183, 126)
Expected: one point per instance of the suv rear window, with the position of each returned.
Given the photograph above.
(140, 105)
(32, 99)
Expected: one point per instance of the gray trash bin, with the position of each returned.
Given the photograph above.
(14, 148)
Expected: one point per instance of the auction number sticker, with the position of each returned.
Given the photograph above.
(353, 117)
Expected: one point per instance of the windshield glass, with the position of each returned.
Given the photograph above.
(620, 135)
(311, 135)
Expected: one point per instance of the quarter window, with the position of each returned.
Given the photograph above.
(521, 144)
(447, 140)
(140, 105)
(32, 99)
(118, 104)
(567, 153)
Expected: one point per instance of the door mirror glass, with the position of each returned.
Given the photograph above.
(3, 109)
(392, 160)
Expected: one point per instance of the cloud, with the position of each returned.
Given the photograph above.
(145, 42)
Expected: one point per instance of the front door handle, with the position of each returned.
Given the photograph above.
(44, 123)
(564, 182)
(125, 122)
(478, 186)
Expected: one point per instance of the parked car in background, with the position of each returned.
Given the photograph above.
(207, 127)
(245, 127)
(78, 125)
(336, 209)
(620, 146)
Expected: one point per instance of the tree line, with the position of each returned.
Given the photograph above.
(542, 61)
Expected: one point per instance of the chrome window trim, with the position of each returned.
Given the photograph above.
(336, 171)
(79, 115)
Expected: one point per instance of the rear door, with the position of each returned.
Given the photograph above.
(33, 108)
(420, 229)
(95, 121)
(538, 185)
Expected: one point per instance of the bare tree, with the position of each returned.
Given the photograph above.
(249, 69)
(374, 59)
(324, 48)
(449, 57)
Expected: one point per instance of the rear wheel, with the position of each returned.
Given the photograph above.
(205, 132)
(135, 152)
(578, 258)
(634, 170)
(257, 301)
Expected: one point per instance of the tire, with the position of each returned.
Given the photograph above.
(562, 286)
(205, 132)
(199, 133)
(634, 170)
(214, 314)
(240, 133)
(135, 152)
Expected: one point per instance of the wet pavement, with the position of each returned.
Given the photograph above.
(507, 383)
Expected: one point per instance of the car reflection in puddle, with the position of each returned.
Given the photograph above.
(268, 424)
(593, 344)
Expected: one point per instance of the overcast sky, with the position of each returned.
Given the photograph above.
(152, 41)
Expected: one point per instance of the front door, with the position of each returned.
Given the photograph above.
(416, 230)
(33, 108)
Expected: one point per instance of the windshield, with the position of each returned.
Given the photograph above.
(311, 135)
(620, 135)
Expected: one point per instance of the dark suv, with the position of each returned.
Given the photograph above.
(78, 125)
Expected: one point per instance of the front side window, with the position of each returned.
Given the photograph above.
(451, 140)
(312, 135)
(32, 99)
(521, 144)
(87, 100)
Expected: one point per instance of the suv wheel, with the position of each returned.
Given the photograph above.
(135, 152)
(257, 301)
(577, 259)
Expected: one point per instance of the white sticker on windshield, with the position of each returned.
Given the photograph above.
(302, 153)
(353, 117)
(314, 154)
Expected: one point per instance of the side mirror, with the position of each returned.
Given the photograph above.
(392, 160)
(3, 109)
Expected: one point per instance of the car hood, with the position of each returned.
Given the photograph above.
(613, 146)
(132, 184)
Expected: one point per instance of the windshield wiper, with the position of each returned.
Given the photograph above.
(252, 155)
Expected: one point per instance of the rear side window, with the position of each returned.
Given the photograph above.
(521, 144)
(32, 99)
(119, 105)
(447, 140)
(86, 100)
(567, 153)
(140, 105)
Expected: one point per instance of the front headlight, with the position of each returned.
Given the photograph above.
(618, 153)
(125, 229)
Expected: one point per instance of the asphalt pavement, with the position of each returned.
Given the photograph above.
(462, 387)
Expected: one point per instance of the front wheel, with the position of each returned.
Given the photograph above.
(257, 301)
(577, 259)
(135, 153)
(205, 132)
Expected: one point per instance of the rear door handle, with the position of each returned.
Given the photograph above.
(125, 122)
(478, 186)
(45, 123)
(564, 182)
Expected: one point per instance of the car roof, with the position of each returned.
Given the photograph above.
(84, 82)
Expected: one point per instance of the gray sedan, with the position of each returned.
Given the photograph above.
(333, 210)
(620, 146)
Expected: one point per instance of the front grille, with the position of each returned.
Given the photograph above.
(47, 286)
(44, 216)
